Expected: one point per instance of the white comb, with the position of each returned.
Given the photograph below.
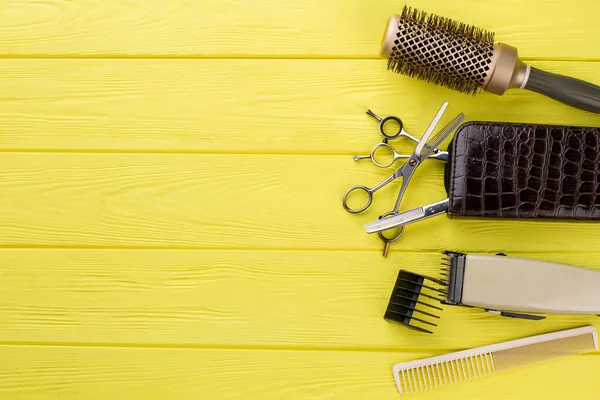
(433, 372)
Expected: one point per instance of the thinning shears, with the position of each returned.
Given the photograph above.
(405, 171)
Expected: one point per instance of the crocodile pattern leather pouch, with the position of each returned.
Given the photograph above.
(512, 170)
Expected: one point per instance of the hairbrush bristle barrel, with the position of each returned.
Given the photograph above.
(466, 58)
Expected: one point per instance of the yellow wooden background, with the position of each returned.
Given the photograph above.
(170, 185)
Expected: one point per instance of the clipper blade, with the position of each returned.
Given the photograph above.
(453, 270)
(411, 301)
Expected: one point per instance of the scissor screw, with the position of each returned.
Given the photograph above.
(412, 163)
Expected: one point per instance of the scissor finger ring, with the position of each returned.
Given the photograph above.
(388, 119)
(354, 189)
(383, 121)
(380, 163)
(400, 230)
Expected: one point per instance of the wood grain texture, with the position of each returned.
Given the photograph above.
(170, 199)
(256, 299)
(233, 106)
(302, 28)
(214, 201)
(69, 373)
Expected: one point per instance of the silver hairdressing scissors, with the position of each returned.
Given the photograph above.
(424, 148)
(405, 171)
(378, 155)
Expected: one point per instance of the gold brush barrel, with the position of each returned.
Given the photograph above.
(494, 68)
(466, 58)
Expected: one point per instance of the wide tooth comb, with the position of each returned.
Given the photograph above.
(439, 371)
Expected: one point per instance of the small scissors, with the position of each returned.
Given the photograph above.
(377, 159)
(426, 146)
(437, 155)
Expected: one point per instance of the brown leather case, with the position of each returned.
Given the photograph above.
(512, 170)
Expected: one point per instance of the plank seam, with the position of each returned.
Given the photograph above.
(282, 250)
(220, 347)
(241, 57)
(168, 152)
(235, 347)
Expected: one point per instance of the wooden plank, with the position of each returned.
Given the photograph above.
(303, 28)
(237, 201)
(229, 201)
(38, 372)
(266, 299)
(264, 106)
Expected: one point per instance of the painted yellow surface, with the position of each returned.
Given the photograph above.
(100, 372)
(170, 199)
(271, 28)
(298, 106)
(235, 298)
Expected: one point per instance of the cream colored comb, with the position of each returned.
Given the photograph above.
(430, 373)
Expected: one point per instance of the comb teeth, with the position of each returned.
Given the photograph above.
(439, 371)
(443, 373)
(411, 301)
(442, 51)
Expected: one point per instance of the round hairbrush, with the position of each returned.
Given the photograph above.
(465, 58)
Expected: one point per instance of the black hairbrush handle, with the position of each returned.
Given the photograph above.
(571, 91)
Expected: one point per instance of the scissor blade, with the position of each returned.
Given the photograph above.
(431, 127)
(441, 156)
(439, 137)
(408, 217)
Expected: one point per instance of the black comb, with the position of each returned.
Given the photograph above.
(410, 302)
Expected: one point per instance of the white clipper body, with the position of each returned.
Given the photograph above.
(510, 284)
